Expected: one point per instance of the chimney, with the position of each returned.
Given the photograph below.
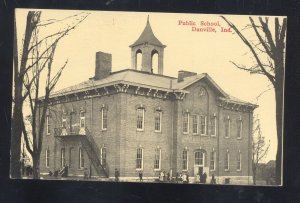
(183, 74)
(103, 65)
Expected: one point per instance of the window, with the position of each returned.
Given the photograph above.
(203, 125)
(239, 129)
(47, 157)
(227, 127)
(64, 122)
(104, 118)
(199, 158)
(213, 125)
(81, 159)
(62, 158)
(70, 157)
(157, 159)
(186, 123)
(212, 161)
(103, 156)
(82, 119)
(139, 159)
(140, 119)
(239, 162)
(157, 121)
(195, 124)
(185, 160)
(47, 125)
(226, 162)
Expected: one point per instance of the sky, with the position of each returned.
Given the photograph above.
(200, 52)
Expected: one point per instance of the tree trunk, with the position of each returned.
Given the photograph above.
(279, 98)
(254, 175)
(35, 161)
(16, 133)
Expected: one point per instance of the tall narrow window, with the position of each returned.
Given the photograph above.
(71, 157)
(239, 128)
(157, 159)
(62, 158)
(140, 119)
(213, 125)
(104, 118)
(195, 124)
(226, 161)
(47, 157)
(199, 158)
(82, 119)
(81, 158)
(64, 122)
(185, 160)
(47, 125)
(227, 127)
(186, 123)
(139, 159)
(239, 162)
(212, 161)
(203, 125)
(157, 121)
(103, 156)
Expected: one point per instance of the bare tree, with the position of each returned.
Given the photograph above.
(27, 84)
(268, 51)
(259, 148)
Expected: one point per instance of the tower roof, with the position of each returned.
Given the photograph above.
(147, 36)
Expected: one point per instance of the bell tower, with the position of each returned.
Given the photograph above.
(147, 45)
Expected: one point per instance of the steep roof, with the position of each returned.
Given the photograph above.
(147, 36)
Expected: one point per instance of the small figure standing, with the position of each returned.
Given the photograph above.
(204, 177)
(197, 180)
(117, 175)
(141, 176)
(184, 178)
(85, 174)
(161, 176)
(177, 177)
(213, 179)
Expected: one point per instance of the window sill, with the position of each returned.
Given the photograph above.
(227, 170)
(157, 131)
(157, 169)
(140, 169)
(140, 130)
(227, 137)
(239, 170)
(196, 134)
(185, 133)
(239, 138)
(185, 170)
(212, 170)
(204, 135)
(213, 135)
(104, 130)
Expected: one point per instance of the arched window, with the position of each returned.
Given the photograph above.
(62, 158)
(104, 118)
(140, 119)
(185, 160)
(138, 57)
(239, 161)
(226, 161)
(139, 159)
(47, 157)
(154, 61)
(199, 158)
(103, 156)
(157, 121)
(157, 159)
(81, 159)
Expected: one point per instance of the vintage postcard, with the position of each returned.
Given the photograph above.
(148, 97)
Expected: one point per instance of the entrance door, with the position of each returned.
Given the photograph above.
(199, 162)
